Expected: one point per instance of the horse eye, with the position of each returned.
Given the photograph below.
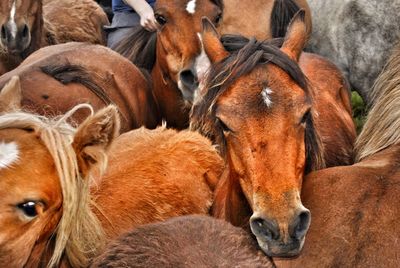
(305, 117)
(218, 18)
(160, 19)
(29, 209)
(224, 127)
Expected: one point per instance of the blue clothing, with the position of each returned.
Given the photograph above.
(120, 6)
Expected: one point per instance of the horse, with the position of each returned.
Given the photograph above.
(356, 35)
(262, 19)
(187, 241)
(355, 208)
(27, 25)
(57, 207)
(56, 78)
(258, 107)
(176, 66)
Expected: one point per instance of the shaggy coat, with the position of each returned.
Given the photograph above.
(190, 241)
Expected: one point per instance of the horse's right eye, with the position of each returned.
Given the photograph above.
(160, 19)
(29, 209)
(224, 127)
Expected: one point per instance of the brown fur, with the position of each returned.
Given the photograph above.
(262, 19)
(355, 209)
(55, 79)
(189, 241)
(154, 184)
(53, 22)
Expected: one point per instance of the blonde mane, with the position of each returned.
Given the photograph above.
(79, 235)
(382, 127)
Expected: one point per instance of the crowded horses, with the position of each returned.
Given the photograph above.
(222, 114)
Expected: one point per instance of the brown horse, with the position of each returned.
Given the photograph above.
(262, 19)
(48, 217)
(188, 241)
(259, 108)
(27, 25)
(174, 54)
(56, 78)
(355, 208)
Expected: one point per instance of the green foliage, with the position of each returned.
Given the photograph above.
(359, 110)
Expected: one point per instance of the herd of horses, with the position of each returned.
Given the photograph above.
(221, 114)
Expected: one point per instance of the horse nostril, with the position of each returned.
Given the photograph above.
(3, 32)
(189, 79)
(263, 228)
(300, 225)
(25, 31)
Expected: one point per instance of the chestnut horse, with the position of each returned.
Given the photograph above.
(258, 107)
(27, 25)
(262, 19)
(174, 54)
(47, 215)
(56, 78)
(355, 208)
(187, 241)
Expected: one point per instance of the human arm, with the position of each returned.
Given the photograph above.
(145, 12)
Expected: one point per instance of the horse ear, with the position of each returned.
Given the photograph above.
(212, 45)
(11, 96)
(296, 36)
(93, 138)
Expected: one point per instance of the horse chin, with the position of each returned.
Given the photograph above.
(280, 250)
(189, 95)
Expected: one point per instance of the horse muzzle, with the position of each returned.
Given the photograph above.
(15, 39)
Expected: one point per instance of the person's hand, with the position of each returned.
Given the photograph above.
(147, 20)
(146, 13)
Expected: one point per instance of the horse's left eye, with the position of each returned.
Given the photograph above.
(29, 209)
(305, 117)
(217, 19)
(160, 19)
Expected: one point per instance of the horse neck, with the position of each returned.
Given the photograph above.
(42, 253)
(172, 107)
(230, 202)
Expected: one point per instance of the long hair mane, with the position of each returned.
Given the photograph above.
(381, 129)
(79, 235)
(245, 56)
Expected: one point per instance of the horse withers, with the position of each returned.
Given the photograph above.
(57, 209)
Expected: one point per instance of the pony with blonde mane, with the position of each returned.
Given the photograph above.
(355, 208)
(50, 173)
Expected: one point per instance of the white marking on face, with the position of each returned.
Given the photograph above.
(266, 96)
(202, 63)
(191, 6)
(12, 22)
(9, 154)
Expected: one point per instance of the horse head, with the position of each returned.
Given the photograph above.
(45, 169)
(18, 21)
(179, 44)
(257, 108)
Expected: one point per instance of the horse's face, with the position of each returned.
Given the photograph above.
(179, 41)
(30, 196)
(260, 115)
(17, 19)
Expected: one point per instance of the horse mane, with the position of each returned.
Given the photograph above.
(69, 73)
(139, 46)
(282, 13)
(247, 54)
(381, 129)
(79, 235)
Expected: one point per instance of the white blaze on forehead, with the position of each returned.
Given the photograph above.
(191, 6)
(266, 96)
(9, 154)
(202, 62)
(12, 23)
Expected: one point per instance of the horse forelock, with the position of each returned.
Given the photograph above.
(245, 56)
(78, 235)
(282, 13)
(381, 129)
